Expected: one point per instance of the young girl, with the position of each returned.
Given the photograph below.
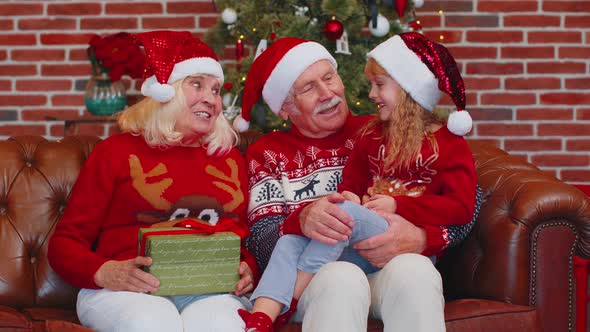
(405, 161)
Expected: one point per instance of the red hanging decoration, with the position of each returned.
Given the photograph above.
(278, 23)
(227, 86)
(272, 36)
(333, 29)
(239, 50)
(400, 7)
(415, 25)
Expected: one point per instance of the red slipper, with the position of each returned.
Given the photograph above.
(285, 317)
(256, 321)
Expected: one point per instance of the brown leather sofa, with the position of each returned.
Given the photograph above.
(513, 273)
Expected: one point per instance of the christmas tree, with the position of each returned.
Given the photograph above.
(349, 29)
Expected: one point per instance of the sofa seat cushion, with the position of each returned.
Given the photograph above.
(373, 326)
(43, 314)
(12, 320)
(60, 326)
(484, 315)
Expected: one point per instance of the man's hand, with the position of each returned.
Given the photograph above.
(325, 222)
(246, 282)
(351, 196)
(127, 276)
(381, 203)
(400, 238)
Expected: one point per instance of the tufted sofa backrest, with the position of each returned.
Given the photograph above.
(36, 178)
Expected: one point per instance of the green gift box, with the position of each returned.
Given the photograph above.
(186, 262)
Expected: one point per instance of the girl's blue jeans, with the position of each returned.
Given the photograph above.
(293, 252)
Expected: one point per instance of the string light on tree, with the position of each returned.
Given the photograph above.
(441, 13)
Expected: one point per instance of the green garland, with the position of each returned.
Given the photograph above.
(260, 19)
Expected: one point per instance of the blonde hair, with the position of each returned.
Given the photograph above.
(156, 122)
(404, 131)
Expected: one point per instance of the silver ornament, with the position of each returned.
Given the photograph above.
(229, 16)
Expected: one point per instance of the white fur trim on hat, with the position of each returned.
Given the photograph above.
(165, 92)
(408, 70)
(293, 63)
(459, 123)
(204, 65)
(240, 124)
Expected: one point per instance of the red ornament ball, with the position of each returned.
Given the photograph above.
(227, 86)
(415, 25)
(333, 29)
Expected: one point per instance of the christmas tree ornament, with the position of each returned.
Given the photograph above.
(333, 29)
(229, 16)
(414, 25)
(226, 99)
(228, 85)
(232, 110)
(239, 50)
(342, 44)
(272, 36)
(382, 27)
(400, 7)
(301, 11)
(418, 3)
(262, 45)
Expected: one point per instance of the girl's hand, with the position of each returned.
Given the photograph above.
(246, 282)
(351, 197)
(381, 203)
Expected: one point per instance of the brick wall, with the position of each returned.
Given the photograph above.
(526, 65)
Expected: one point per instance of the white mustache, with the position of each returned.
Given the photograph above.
(327, 104)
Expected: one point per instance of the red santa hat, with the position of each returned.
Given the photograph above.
(274, 71)
(172, 56)
(423, 69)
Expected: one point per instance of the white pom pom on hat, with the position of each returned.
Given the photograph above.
(424, 69)
(159, 92)
(459, 123)
(172, 56)
(240, 124)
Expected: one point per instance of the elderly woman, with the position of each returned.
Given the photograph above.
(168, 140)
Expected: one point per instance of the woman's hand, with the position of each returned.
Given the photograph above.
(127, 276)
(246, 282)
(381, 203)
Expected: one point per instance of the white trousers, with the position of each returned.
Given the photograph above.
(406, 295)
(110, 311)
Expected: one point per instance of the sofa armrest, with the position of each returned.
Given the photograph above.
(521, 249)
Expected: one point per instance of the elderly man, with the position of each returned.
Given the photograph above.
(293, 179)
